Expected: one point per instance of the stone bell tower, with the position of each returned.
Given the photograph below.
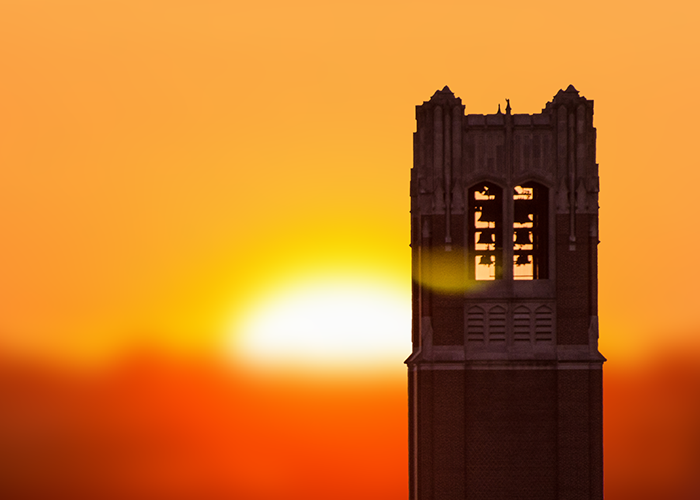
(505, 377)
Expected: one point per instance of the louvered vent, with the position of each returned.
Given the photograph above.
(497, 324)
(475, 325)
(543, 324)
(521, 324)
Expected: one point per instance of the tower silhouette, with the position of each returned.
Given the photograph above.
(505, 376)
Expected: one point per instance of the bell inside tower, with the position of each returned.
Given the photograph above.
(530, 230)
(485, 232)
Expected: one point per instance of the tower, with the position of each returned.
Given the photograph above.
(505, 376)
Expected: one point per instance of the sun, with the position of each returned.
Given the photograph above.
(328, 323)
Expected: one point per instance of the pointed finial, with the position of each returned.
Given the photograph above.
(444, 94)
(499, 110)
(507, 106)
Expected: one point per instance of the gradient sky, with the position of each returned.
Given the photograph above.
(167, 167)
(167, 163)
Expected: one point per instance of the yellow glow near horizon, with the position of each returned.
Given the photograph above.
(331, 322)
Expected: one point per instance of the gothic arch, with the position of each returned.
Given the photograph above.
(522, 324)
(497, 325)
(531, 209)
(485, 209)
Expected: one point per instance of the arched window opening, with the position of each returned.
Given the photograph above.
(485, 236)
(530, 232)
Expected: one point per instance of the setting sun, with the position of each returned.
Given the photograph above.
(327, 322)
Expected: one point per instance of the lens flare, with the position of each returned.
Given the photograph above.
(327, 323)
(445, 271)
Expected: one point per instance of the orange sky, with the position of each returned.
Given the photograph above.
(162, 159)
(167, 165)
